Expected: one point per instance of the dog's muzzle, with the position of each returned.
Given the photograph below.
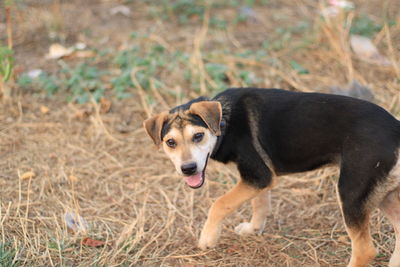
(196, 180)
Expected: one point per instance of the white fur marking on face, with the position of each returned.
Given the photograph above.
(201, 150)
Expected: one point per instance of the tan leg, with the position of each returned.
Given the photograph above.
(222, 207)
(362, 248)
(391, 208)
(261, 205)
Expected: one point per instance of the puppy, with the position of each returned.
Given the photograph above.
(270, 132)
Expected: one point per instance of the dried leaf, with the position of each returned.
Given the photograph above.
(57, 51)
(233, 249)
(82, 54)
(105, 105)
(75, 222)
(72, 179)
(87, 241)
(44, 109)
(27, 175)
(366, 50)
(343, 239)
(81, 114)
(124, 10)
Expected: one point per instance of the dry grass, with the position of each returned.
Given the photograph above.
(103, 166)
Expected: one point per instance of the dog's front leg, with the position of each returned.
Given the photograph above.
(261, 208)
(222, 207)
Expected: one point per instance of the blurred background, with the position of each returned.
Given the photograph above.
(77, 78)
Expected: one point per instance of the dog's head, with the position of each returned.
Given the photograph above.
(188, 135)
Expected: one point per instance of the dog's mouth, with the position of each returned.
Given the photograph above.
(197, 180)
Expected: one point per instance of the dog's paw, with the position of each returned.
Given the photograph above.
(245, 228)
(208, 239)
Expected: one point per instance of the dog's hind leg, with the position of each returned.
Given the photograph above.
(363, 250)
(391, 208)
(356, 218)
(261, 205)
(221, 208)
(355, 187)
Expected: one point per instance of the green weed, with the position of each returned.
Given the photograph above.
(45, 82)
(298, 68)
(149, 64)
(6, 63)
(84, 82)
(184, 9)
(7, 256)
(365, 26)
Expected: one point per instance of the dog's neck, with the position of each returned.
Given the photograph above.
(219, 138)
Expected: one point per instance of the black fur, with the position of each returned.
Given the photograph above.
(194, 119)
(303, 131)
(187, 105)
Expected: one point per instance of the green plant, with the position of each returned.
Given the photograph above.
(44, 81)
(149, 64)
(6, 63)
(298, 68)
(248, 77)
(218, 73)
(84, 82)
(218, 23)
(364, 25)
(184, 9)
(7, 53)
(7, 256)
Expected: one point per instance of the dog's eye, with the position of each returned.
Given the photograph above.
(197, 137)
(171, 143)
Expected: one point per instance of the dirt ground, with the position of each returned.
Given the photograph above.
(98, 162)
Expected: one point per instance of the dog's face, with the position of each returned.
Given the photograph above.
(188, 135)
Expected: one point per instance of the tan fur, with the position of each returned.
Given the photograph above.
(391, 208)
(389, 184)
(210, 112)
(253, 119)
(153, 126)
(362, 248)
(221, 208)
(387, 197)
(179, 120)
(261, 205)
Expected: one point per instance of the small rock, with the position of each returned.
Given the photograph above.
(124, 10)
(355, 89)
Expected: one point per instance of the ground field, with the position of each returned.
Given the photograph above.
(63, 152)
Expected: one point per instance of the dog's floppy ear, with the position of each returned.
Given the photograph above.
(210, 112)
(154, 126)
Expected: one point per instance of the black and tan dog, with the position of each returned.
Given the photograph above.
(269, 132)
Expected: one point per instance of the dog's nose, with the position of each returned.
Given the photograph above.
(189, 168)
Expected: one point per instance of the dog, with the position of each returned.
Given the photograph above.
(271, 132)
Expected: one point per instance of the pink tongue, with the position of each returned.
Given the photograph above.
(194, 180)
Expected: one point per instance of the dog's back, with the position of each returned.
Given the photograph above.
(302, 131)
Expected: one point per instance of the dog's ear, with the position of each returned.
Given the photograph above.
(154, 126)
(210, 112)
